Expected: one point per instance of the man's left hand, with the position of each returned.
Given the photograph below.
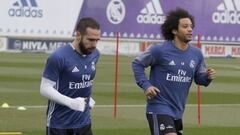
(211, 73)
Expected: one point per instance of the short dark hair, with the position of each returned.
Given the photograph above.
(172, 22)
(86, 22)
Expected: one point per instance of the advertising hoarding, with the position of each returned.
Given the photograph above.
(35, 45)
(220, 50)
(39, 18)
(216, 20)
(3, 44)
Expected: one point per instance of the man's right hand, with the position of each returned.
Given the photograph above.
(78, 104)
(151, 92)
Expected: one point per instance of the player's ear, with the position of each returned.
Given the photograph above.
(174, 32)
(78, 36)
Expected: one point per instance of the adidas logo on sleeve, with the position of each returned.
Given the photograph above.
(228, 12)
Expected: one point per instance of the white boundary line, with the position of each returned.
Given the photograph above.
(10, 133)
(130, 106)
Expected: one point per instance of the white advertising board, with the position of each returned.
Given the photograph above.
(221, 50)
(124, 48)
(3, 44)
(39, 18)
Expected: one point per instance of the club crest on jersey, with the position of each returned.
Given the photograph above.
(162, 127)
(192, 64)
(93, 66)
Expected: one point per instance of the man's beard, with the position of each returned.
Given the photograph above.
(186, 41)
(83, 48)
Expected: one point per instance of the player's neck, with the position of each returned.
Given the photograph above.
(76, 46)
(180, 45)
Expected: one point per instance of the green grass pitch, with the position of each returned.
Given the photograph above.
(20, 75)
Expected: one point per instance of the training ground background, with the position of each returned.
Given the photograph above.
(20, 75)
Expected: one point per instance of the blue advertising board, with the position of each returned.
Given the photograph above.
(216, 20)
(35, 45)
